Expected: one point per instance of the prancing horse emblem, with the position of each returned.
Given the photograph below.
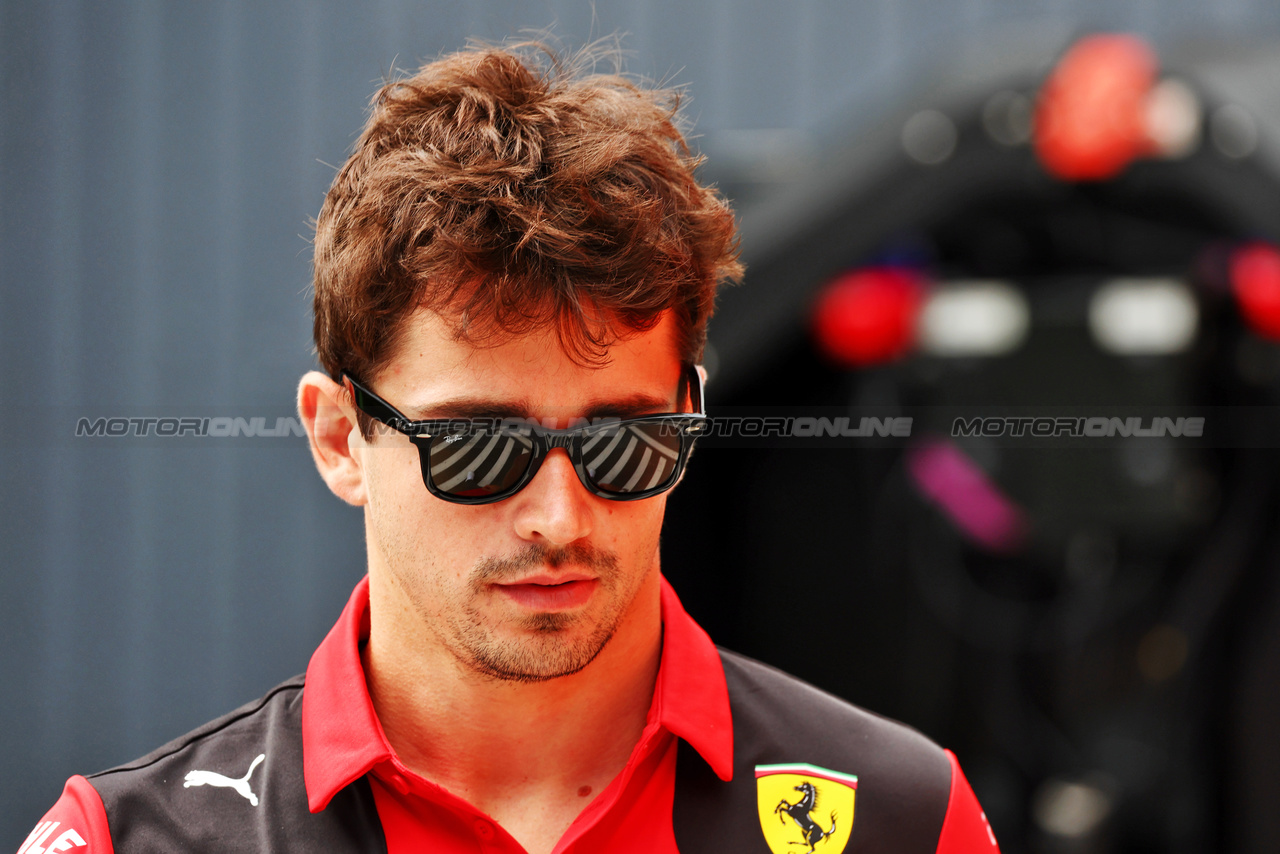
(212, 778)
(799, 812)
(820, 822)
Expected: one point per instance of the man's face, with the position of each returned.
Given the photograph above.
(532, 587)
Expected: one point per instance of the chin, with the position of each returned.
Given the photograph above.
(551, 654)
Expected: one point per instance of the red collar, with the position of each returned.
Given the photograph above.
(342, 739)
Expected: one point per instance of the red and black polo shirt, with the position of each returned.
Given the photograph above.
(728, 749)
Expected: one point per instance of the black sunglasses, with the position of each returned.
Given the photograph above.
(483, 460)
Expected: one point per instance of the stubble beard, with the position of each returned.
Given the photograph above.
(545, 646)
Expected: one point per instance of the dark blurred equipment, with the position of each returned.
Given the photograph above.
(1089, 626)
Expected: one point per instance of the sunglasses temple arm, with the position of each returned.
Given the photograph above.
(375, 407)
(697, 390)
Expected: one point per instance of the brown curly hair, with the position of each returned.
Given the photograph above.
(508, 189)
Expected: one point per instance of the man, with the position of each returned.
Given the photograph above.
(513, 275)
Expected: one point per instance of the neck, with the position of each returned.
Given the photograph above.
(521, 751)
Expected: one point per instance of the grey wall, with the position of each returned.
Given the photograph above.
(158, 163)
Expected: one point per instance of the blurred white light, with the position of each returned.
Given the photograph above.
(1144, 317)
(1071, 810)
(973, 318)
(929, 137)
(1234, 131)
(1173, 118)
(1006, 117)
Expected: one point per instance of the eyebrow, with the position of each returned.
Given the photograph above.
(630, 406)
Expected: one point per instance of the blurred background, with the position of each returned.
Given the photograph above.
(980, 207)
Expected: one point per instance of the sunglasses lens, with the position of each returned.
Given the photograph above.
(632, 457)
(479, 462)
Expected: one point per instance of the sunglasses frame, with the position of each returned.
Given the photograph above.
(687, 425)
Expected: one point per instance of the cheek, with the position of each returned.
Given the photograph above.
(419, 534)
(400, 509)
(394, 480)
(638, 527)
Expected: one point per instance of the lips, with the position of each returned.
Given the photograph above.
(550, 593)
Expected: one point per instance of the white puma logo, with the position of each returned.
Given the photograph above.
(211, 778)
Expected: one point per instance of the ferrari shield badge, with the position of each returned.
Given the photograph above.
(806, 806)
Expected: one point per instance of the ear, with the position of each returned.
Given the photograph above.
(330, 422)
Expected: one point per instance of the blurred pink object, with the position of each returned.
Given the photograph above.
(962, 490)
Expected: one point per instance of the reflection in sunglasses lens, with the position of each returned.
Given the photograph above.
(482, 462)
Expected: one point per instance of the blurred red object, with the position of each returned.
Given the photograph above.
(1091, 118)
(868, 316)
(1255, 279)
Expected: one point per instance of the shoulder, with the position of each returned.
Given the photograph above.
(221, 745)
(198, 787)
(234, 784)
(76, 821)
(878, 785)
(148, 805)
(774, 711)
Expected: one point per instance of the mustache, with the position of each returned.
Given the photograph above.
(495, 570)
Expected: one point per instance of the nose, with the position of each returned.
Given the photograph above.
(555, 509)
